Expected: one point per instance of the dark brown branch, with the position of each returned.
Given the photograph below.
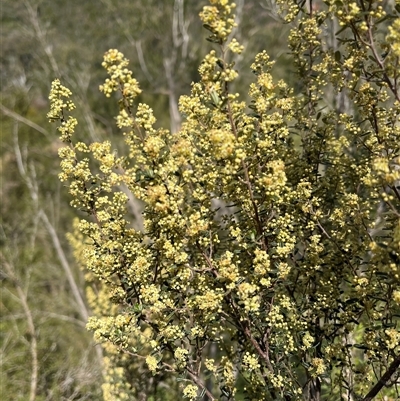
(383, 380)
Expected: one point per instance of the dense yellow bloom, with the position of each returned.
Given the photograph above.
(270, 232)
(151, 363)
(190, 391)
(318, 365)
(250, 361)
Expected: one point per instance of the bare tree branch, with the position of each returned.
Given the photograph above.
(41, 36)
(10, 113)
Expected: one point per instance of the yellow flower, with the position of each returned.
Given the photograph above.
(151, 363)
(190, 391)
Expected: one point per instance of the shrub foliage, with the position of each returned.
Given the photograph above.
(267, 266)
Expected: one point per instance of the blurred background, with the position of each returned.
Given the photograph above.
(45, 351)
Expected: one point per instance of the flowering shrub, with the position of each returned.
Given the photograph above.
(268, 267)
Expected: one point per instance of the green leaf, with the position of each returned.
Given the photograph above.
(213, 39)
(215, 98)
(181, 378)
(341, 30)
(361, 346)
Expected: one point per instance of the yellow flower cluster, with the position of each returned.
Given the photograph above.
(250, 362)
(181, 356)
(228, 269)
(248, 296)
(152, 363)
(218, 19)
(210, 365)
(318, 366)
(120, 77)
(59, 101)
(308, 340)
(115, 388)
(190, 392)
